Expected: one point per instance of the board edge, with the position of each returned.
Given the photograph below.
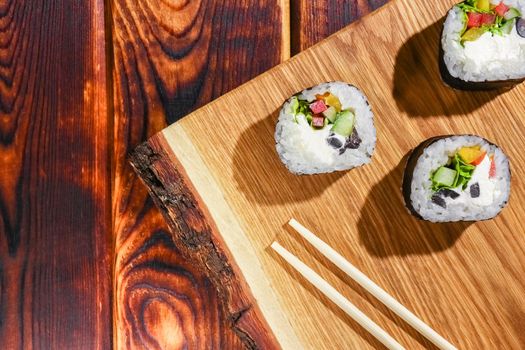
(194, 232)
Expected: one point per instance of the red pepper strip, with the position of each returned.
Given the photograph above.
(488, 18)
(501, 9)
(474, 19)
(492, 171)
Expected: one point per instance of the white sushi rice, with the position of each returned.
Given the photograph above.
(305, 150)
(494, 193)
(489, 58)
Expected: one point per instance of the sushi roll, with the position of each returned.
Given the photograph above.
(483, 45)
(325, 128)
(456, 178)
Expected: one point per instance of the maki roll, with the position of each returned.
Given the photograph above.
(483, 45)
(325, 128)
(456, 178)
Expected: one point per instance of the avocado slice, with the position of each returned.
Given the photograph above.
(473, 34)
(344, 124)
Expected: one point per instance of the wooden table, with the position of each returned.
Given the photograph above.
(87, 260)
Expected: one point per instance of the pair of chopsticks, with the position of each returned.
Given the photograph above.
(365, 282)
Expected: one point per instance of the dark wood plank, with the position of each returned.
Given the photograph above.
(55, 223)
(170, 58)
(312, 21)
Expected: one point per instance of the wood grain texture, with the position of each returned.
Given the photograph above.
(170, 58)
(55, 252)
(464, 279)
(199, 241)
(312, 21)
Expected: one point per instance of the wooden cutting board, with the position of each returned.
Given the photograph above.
(226, 195)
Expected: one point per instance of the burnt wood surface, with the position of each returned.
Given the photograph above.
(312, 21)
(169, 60)
(55, 213)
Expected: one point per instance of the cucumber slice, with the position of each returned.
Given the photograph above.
(507, 27)
(330, 114)
(444, 176)
(344, 124)
(512, 13)
(294, 104)
(465, 22)
(309, 118)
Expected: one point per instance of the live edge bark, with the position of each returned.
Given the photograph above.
(196, 236)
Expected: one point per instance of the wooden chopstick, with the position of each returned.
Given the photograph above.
(365, 282)
(337, 298)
